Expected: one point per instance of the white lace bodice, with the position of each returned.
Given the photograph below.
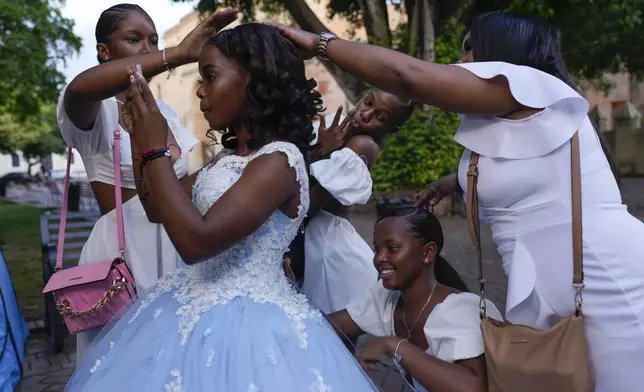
(252, 267)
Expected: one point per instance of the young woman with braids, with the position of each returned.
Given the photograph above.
(90, 109)
(229, 320)
(420, 309)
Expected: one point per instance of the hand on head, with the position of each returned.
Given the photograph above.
(305, 41)
(208, 28)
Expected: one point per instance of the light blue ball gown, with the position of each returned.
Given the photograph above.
(230, 324)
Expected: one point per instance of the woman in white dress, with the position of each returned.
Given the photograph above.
(89, 112)
(420, 308)
(520, 112)
(338, 262)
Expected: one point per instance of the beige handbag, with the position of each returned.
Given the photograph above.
(520, 358)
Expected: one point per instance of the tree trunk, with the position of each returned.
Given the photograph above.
(428, 37)
(307, 20)
(413, 18)
(376, 21)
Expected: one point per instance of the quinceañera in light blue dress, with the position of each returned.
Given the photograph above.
(232, 323)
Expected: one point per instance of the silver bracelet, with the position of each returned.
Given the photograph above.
(397, 356)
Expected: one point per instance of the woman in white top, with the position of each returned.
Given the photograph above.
(89, 110)
(520, 112)
(338, 262)
(420, 309)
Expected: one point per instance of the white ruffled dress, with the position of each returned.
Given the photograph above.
(452, 329)
(525, 196)
(339, 263)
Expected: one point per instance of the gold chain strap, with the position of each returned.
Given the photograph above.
(64, 309)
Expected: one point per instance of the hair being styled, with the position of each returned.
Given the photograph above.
(280, 101)
(521, 40)
(426, 228)
(110, 19)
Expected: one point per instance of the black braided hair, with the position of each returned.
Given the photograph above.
(110, 19)
(426, 228)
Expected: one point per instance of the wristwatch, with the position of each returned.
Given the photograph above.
(325, 38)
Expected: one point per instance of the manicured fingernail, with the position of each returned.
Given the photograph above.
(131, 78)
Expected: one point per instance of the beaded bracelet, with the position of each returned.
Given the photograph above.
(146, 158)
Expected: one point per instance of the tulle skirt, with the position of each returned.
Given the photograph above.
(238, 346)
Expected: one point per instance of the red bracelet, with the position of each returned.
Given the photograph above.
(146, 152)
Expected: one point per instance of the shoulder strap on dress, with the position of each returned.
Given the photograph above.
(297, 162)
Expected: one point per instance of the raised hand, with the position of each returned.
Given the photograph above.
(437, 190)
(144, 121)
(335, 136)
(305, 41)
(208, 28)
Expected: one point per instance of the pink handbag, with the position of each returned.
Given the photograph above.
(90, 295)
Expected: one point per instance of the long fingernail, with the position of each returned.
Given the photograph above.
(131, 78)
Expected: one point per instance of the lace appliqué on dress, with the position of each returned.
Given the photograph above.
(319, 385)
(251, 268)
(175, 385)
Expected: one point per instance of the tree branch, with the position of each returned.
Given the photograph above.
(376, 21)
(307, 20)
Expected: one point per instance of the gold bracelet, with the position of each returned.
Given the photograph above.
(165, 64)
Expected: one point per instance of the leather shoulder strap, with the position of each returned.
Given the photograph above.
(473, 222)
(472, 210)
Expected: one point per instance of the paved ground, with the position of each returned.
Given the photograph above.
(48, 373)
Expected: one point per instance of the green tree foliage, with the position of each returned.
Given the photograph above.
(36, 136)
(424, 149)
(34, 40)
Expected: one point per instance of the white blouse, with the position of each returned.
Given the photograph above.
(96, 145)
(452, 329)
(344, 174)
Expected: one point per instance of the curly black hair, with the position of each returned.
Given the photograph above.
(281, 101)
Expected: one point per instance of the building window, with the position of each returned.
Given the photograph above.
(15, 160)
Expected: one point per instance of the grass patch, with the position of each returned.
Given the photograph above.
(20, 241)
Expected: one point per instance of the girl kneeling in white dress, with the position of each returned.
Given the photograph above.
(420, 308)
(338, 262)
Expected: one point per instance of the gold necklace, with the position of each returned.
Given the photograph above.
(419, 313)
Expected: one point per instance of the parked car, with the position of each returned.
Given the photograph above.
(15, 178)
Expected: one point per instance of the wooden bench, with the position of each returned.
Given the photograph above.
(79, 227)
